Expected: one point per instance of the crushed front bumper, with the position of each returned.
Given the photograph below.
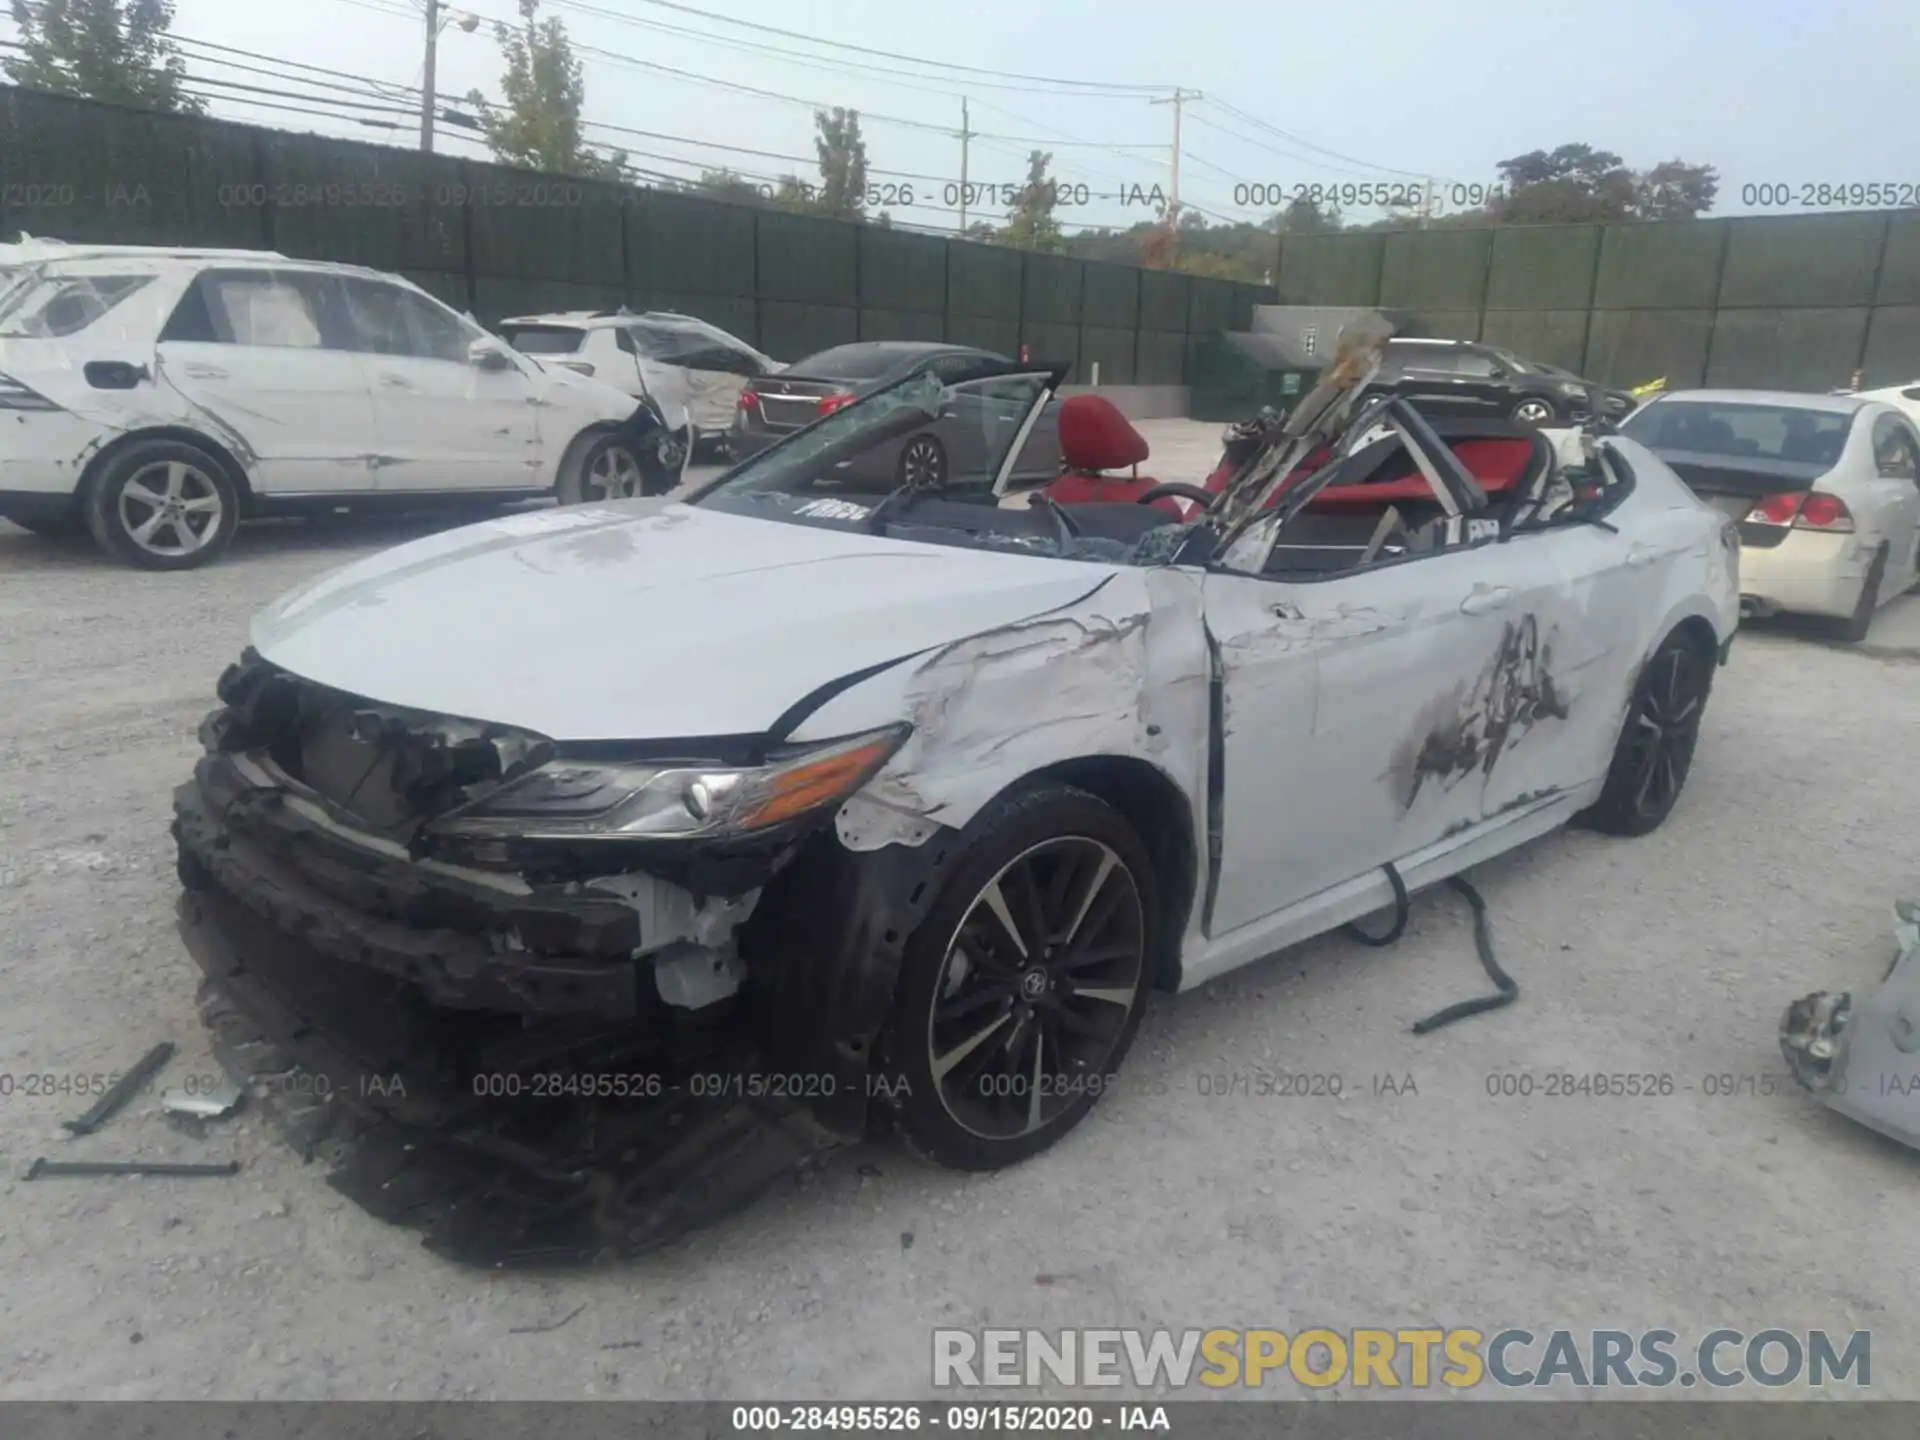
(1859, 1052)
(523, 1104)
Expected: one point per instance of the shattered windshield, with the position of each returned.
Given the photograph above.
(953, 438)
(927, 455)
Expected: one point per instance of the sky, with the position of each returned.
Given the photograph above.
(1365, 93)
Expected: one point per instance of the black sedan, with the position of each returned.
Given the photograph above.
(956, 448)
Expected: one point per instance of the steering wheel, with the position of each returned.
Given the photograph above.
(1177, 491)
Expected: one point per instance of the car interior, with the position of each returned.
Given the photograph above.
(1379, 505)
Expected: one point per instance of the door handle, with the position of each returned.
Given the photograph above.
(1642, 555)
(1484, 599)
(394, 382)
(205, 372)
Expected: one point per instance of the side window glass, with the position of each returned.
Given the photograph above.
(1432, 361)
(1894, 450)
(376, 323)
(192, 318)
(248, 308)
(438, 333)
(386, 320)
(1480, 367)
(624, 339)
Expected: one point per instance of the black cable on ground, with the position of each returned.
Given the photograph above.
(1509, 990)
(1483, 942)
(1399, 913)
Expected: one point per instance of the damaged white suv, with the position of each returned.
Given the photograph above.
(916, 801)
(152, 396)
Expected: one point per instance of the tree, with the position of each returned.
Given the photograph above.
(728, 185)
(1303, 216)
(1030, 223)
(117, 50)
(1675, 190)
(539, 127)
(1578, 184)
(843, 163)
(796, 194)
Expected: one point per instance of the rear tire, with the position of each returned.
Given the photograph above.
(1655, 750)
(981, 1012)
(1854, 628)
(922, 463)
(163, 505)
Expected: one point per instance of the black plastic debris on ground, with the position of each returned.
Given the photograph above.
(508, 1185)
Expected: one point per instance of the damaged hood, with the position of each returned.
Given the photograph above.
(644, 619)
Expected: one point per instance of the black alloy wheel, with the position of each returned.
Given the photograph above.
(1026, 982)
(1655, 751)
(923, 463)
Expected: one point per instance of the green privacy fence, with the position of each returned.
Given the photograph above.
(502, 242)
(1795, 302)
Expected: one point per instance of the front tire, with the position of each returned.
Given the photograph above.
(163, 505)
(1655, 750)
(1535, 411)
(1022, 989)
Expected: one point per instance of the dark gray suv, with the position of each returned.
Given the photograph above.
(1464, 379)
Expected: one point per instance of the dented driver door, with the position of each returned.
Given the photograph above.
(1370, 714)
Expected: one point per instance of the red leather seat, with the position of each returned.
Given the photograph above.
(1095, 437)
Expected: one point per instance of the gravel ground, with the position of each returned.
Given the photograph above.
(1171, 1206)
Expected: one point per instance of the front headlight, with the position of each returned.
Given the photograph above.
(1568, 387)
(614, 800)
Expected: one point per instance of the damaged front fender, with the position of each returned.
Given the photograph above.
(1124, 673)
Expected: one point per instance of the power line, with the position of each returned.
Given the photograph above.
(1053, 82)
(1260, 124)
(889, 76)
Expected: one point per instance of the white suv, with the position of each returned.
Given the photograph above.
(153, 395)
(694, 371)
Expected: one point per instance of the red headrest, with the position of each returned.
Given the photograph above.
(1094, 435)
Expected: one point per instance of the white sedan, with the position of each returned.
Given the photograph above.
(913, 801)
(1825, 488)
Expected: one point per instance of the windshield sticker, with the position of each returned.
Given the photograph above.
(834, 510)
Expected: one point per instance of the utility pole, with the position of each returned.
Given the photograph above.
(1177, 100)
(966, 134)
(427, 84)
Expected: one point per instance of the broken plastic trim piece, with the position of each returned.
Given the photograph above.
(109, 1104)
(215, 1104)
(53, 1168)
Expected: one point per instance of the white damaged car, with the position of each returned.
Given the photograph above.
(913, 802)
(153, 396)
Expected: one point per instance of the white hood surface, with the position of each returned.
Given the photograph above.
(643, 619)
